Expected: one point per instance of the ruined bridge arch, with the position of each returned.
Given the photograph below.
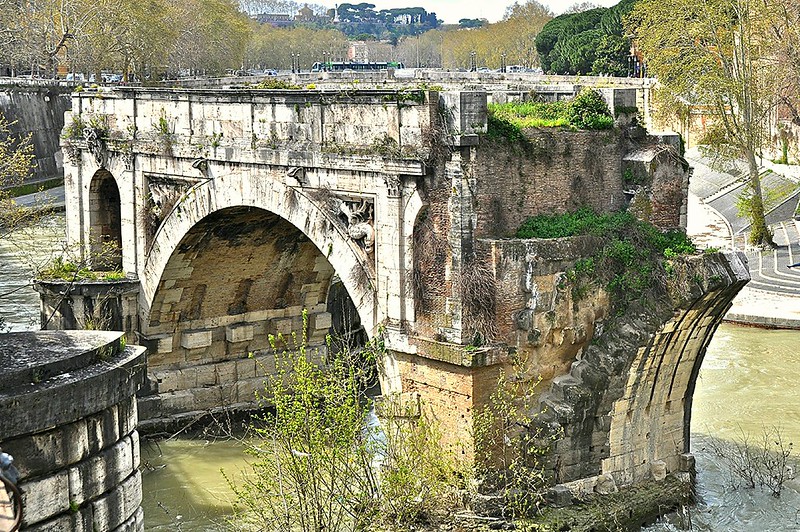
(267, 185)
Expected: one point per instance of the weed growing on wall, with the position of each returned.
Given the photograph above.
(587, 110)
(277, 84)
(512, 447)
(69, 268)
(631, 260)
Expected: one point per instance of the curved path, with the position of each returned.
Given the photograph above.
(772, 298)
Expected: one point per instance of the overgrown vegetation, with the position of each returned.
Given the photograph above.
(511, 447)
(588, 110)
(66, 270)
(319, 465)
(276, 84)
(631, 259)
(765, 462)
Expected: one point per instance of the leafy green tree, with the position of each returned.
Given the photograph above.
(586, 42)
(472, 22)
(16, 164)
(611, 56)
(713, 55)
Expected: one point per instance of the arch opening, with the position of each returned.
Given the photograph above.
(238, 277)
(105, 222)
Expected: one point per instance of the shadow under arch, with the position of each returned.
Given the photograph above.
(295, 208)
(105, 222)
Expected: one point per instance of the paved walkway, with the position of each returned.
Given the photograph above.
(772, 298)
(52, 198)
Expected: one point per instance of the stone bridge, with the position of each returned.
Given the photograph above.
(240, 214)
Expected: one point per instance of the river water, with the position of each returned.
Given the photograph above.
(748, 382)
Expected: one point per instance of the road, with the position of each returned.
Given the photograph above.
(770, 269)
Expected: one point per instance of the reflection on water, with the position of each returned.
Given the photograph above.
(21, 254)
(184, 488)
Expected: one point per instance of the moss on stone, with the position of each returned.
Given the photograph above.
(628, 509)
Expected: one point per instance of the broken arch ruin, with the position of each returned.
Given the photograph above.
(241, 213)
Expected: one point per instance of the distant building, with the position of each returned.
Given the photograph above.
(407, 19)
(358, 52)
(306, 14)
(279, 20)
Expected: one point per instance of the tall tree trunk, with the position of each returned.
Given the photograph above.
(759, 232)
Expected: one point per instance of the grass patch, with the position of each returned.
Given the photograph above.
(587, 110)
(30, 188)
(64, 270)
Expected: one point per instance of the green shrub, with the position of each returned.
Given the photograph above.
(315, 456)
(588, 110)
(632, 258)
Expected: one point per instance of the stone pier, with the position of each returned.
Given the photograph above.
(69, 420)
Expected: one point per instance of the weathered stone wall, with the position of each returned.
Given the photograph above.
(70, 423)
(209, 296)
(104, 305)
(38, 110)
(619, 386)
(209, 325)
(552, 172)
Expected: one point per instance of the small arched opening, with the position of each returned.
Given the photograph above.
(105, 222)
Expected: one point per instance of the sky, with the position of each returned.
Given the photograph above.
(451, 11)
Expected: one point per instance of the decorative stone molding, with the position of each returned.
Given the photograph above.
(96, 145)
(393, 185)
(298, 173)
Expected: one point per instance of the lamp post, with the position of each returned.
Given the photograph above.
(503, 63)
(473, 64)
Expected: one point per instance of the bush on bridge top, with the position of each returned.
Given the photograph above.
(632, 261)
(587, 110)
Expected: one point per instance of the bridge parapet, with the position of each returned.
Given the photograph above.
(211, 123)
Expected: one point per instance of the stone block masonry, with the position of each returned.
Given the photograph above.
(70, 424)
